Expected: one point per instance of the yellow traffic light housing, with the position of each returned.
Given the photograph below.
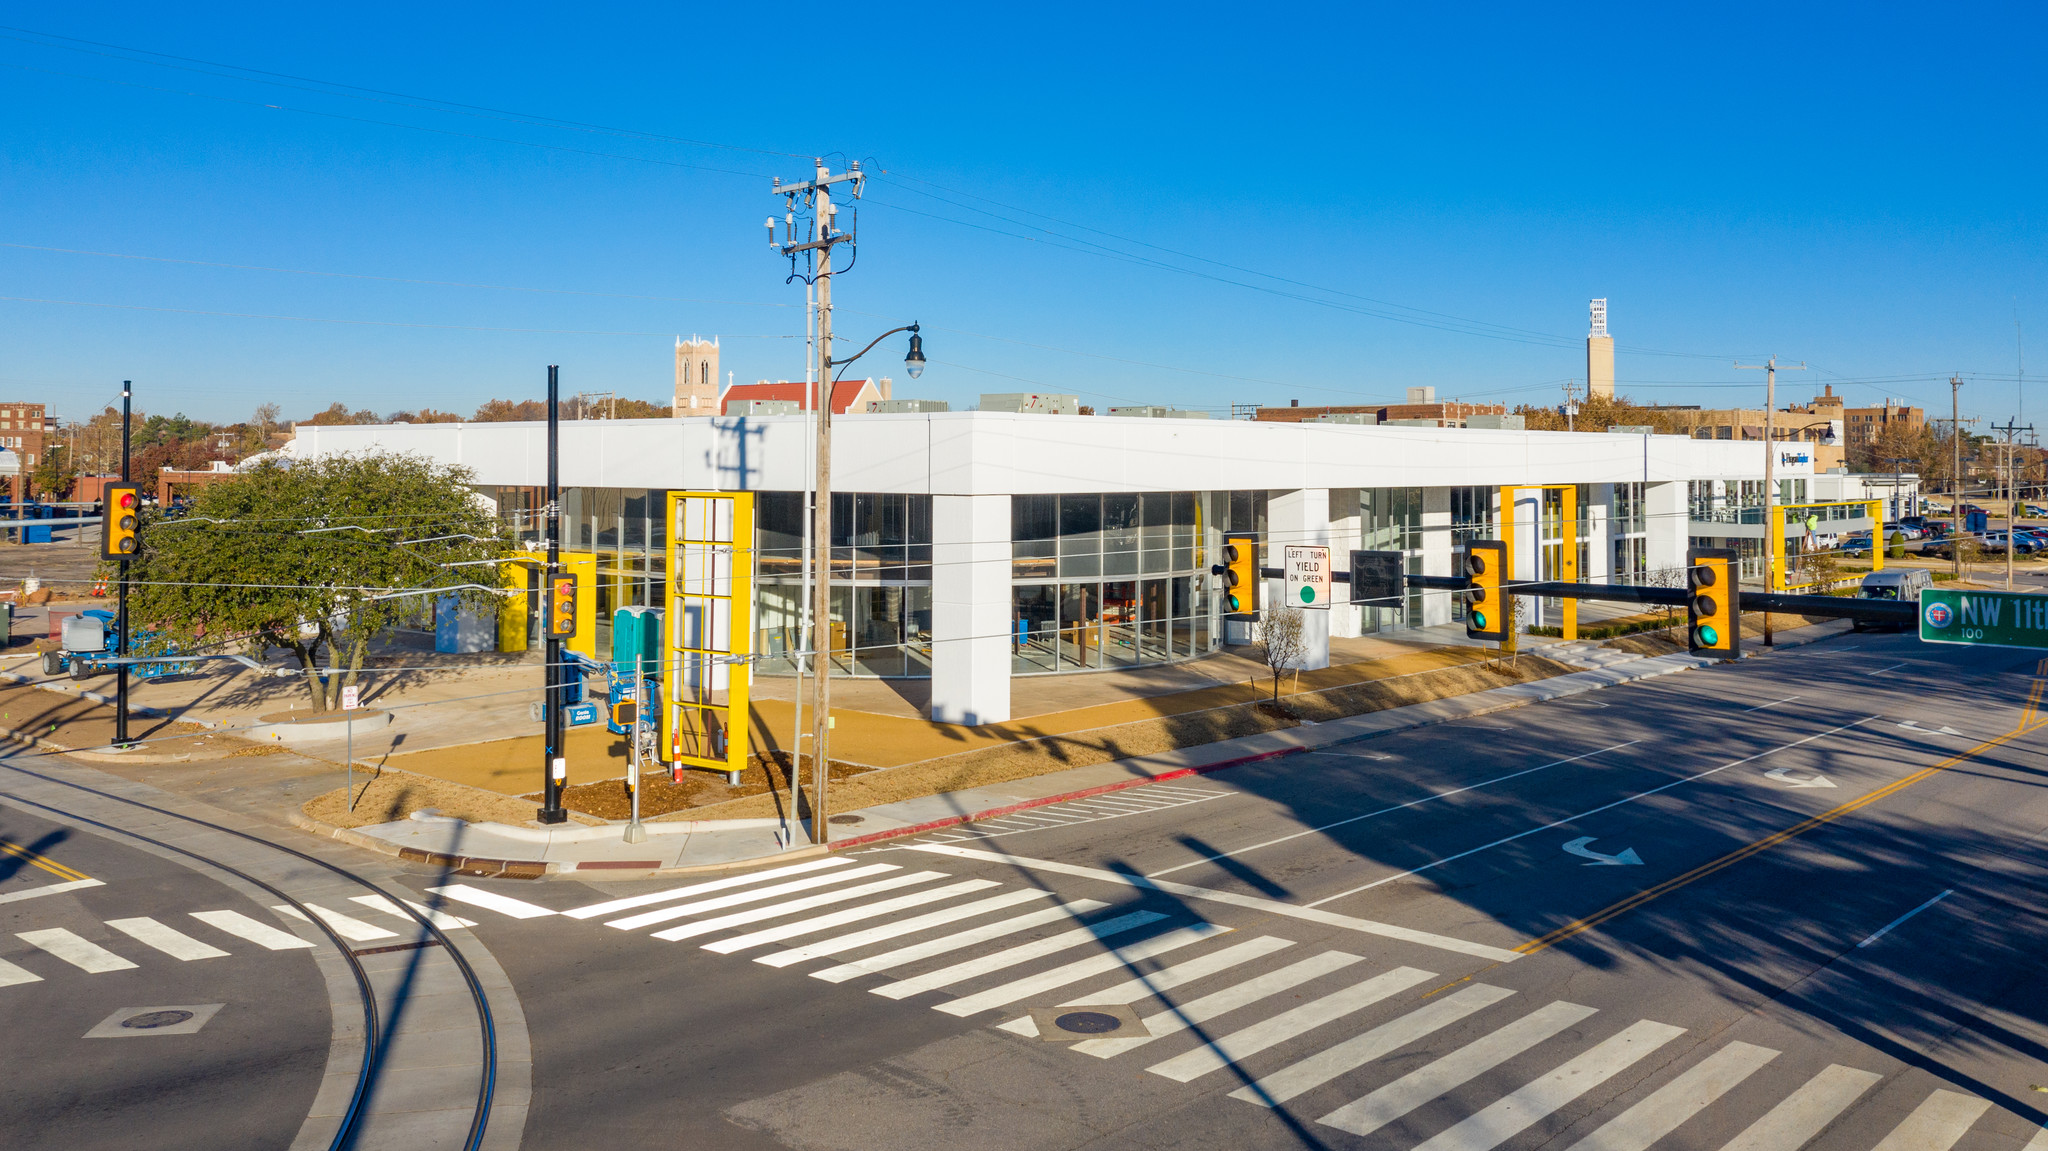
(1487, 612)
(1713, 611)
(562, 607)
(121, 529)
(1240, 573)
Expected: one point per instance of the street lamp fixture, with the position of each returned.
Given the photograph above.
(914, 362)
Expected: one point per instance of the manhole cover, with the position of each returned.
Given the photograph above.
(150, 1019)
(1087, 1022)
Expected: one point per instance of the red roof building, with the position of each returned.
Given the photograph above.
(847, 395)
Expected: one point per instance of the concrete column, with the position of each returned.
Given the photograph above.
(1301, 516)
(970, 609)
(1666, 530)
(1600, 533)
(1346, 533)
(1436, 552)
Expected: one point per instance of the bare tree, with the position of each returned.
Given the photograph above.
(1282, 642)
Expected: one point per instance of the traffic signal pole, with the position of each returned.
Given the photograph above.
(554, 767)
(121, 605)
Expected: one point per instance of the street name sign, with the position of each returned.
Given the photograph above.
(1307, 568)
(1986, 618)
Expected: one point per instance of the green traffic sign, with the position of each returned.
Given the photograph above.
(1987, 618)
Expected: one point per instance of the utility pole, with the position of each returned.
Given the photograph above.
(822, 233)
(1955, 483)
(121, 609)
(1770, 370)
(555, 767)
(2011, 430)
(1570, 407)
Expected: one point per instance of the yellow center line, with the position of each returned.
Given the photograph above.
(2025, 725)
(42, 861)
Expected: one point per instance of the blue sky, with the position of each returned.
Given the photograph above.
(1186, 205)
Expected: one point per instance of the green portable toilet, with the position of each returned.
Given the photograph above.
(636, 640)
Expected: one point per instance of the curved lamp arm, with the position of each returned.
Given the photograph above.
(911, 328)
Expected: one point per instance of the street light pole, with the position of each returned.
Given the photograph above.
(1770, 370)
(121, 609)
(555, 758)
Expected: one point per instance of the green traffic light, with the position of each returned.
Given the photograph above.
(1708, 636)
(1479, 620)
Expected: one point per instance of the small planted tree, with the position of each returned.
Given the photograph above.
(313, 554)
(1282, 642)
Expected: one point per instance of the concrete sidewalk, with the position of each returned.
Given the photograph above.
(679, 847)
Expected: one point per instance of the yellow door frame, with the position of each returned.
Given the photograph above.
(1777, 537)
(1568, 549)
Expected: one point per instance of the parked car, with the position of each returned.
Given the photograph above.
(1999, 542)
(1857, 546)
(1893, 584)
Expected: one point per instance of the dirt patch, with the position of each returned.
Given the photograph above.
(664, 798)
(61, 720)
(381, 797)
(1671, 641)
(1044, 755)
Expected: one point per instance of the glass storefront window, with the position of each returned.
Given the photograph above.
(1034, 536)
(1128, 589)
(1080, 536)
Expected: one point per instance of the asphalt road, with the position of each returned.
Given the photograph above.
(1727, 908)
(246, 1077)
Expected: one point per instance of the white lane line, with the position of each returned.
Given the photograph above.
(263, 934)
(76, 950)
(1516, 1112)
(492, 901)
(1368, 1114)
(1936, 1124)
(168, 940)
(670, 895)
(791, 907)
(739, 898)
(1158, 982)
(1880, 933)
(1078, 970)
(987, 931)
(11, 975)
(1256, 903)
(1773, 703)
(1360, 1050)
(439, 919)
(1882, 670)
(50, 889)
(887, 931)
(1228, 1049)
(818, 923)
(1594, 811)
(1800, 1115)
(346, 926)
(1217, 1003)
(1661, 1112)
(1430, 798)
(1011, 956)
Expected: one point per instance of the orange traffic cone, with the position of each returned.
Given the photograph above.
(99, 587)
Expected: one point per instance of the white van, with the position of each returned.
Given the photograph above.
(1896, 584)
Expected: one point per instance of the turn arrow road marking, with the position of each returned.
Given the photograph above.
(1909, 725)
(1784, 775)
(1627, 857)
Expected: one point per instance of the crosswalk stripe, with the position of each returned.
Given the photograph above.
(671, 894)
(76, 950)
(738, 898)
(944, 943)
(840, 944)
(1360, 1050)
(346, 926)
(11, 975)
(1180, 974)
(1393, 1100)
(237, 924)
(1936, 1124)
(791, 907)
(492, 901)
(1222, 1052)
(1012, 956)
(818, 923)
(438, 918)
(1660, 1113)
(2039, 1142)
(168, 940)
(1517, 1111)
(1800, 1115)
(1222, 1002)
(1078, 970)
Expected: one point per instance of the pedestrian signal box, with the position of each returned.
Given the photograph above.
(1487, 613)
(121, 529)
(1240, 572)
(1714, 610)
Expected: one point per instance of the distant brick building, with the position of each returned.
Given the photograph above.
(21, 431)
(1422, 405)
(847, 395)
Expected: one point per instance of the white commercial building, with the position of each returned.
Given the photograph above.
(972, 547)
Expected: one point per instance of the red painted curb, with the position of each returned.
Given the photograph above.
(998, 812)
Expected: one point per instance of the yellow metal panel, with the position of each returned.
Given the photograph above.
(512, 614)
(1877, 540)
(708, 629)
(1776, 542)
(1569, 551)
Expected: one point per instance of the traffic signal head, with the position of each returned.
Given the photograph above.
(121, 529)
(1485, 563)
(562, 608)
(1713, 611)
(1241, 575)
